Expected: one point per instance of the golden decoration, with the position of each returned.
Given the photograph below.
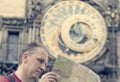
(73, 29)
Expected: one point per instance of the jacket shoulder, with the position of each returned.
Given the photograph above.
(4, 79)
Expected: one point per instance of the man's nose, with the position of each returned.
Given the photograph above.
(43, 66)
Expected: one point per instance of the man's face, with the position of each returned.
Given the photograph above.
(37, 62)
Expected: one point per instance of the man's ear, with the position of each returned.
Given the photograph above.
(25, 57)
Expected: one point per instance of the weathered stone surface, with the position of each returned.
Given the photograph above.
(14, 9)
(0, 36)
(73, 72)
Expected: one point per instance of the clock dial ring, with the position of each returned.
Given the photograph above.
(57, 31)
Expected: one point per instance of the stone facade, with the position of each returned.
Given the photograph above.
(0, 36)
(107, 65)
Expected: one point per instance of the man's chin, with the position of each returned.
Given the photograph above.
(36, 75)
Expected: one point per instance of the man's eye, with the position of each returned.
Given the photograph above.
(40, 60)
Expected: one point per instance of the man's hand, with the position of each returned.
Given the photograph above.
(49, 77)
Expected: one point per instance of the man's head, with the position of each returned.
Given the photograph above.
(33, 59)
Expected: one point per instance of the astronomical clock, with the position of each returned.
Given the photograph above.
(73, 29)
(78, 30)
(84, 31)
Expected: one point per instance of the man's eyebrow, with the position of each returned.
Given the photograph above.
(41, 60)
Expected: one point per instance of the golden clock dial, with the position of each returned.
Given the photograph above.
(73, 29)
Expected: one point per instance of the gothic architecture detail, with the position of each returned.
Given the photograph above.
(15, 32)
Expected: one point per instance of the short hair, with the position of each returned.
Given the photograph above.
(30, 48)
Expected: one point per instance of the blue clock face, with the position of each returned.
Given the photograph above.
(76, 32)
(73, 29)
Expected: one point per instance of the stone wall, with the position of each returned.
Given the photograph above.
(0, 36)
(31, 31)
(118, 53)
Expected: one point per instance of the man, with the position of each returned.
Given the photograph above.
(32, 62)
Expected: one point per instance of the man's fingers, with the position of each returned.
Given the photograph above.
(52, 80)
(51, 74)
(51, 77)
